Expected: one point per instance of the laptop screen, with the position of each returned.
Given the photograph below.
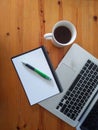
(91, 121)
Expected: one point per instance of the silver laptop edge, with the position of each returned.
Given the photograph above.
(67, 71)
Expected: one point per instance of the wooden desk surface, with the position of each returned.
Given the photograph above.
(22, 25)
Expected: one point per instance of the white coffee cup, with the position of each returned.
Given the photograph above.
(52, 36)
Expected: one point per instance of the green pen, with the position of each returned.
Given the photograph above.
(37, 71)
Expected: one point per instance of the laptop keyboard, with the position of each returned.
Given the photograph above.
(79, 92)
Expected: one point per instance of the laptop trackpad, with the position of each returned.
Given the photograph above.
(65, 74)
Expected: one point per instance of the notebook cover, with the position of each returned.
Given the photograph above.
(36, 87)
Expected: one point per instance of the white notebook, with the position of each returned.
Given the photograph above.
(36, 87)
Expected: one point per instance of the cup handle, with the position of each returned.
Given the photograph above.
(48, 36)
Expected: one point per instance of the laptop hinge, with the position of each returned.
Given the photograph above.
(87, 106)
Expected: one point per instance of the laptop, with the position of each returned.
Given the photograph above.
(78, 75)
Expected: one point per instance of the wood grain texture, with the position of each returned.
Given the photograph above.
(22, 26)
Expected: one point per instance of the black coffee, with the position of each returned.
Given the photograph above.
(62, 34)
